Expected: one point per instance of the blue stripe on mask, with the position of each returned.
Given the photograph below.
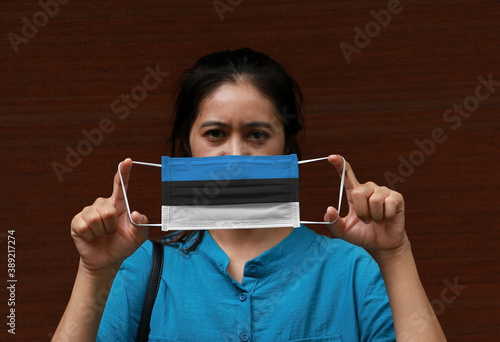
(229, 168)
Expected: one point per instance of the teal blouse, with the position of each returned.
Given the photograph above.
(307, 288)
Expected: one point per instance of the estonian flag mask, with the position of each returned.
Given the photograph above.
(230, 192)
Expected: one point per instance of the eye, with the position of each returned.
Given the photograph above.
(214, 134)
(258, 135)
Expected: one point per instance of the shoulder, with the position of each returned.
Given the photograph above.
(123, 307)
(134, 271)
(141, 257)
(140, 262)
(136, 268)
(351, 267)
(341, 257)
(138, 265)
(337, 247)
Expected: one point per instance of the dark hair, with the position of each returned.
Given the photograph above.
(212, 71)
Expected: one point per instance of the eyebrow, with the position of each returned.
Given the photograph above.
(214, 123)
(249, 124)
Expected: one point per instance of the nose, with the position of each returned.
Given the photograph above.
(236, 146)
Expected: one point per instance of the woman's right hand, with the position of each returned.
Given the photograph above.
(103, 233)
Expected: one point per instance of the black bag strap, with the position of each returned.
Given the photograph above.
(151, 291)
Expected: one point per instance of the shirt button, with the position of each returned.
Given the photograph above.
(252, 268)
(243, 296)
(244, 337)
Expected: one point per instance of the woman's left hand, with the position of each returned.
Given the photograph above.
(376, 218)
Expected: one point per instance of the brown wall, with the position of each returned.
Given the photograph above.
(397, 89)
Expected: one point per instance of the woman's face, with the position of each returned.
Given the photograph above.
(236, 120)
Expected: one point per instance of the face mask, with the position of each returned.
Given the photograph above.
(230, 192)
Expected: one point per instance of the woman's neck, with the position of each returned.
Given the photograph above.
(242, 245)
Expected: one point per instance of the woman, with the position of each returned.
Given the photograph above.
(275, 284)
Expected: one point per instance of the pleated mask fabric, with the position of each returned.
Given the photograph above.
(230, 192)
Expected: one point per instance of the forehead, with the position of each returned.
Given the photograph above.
(237, 101)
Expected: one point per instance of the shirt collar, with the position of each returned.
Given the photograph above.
(280, 256)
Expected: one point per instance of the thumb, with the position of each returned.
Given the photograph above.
(140, 232)
(338, 225)
(139, 218)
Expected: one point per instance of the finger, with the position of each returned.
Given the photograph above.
(109, 217)
(394, 204)
(80, 229)
(94, 221)
(360, 200)
(376, 203)
(338, 225)
(350, 182)
(125, 168)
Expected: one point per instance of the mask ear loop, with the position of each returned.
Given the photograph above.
(126, 199)
(159, 165)
(340, 194)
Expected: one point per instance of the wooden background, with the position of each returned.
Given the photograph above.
(395, 90)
